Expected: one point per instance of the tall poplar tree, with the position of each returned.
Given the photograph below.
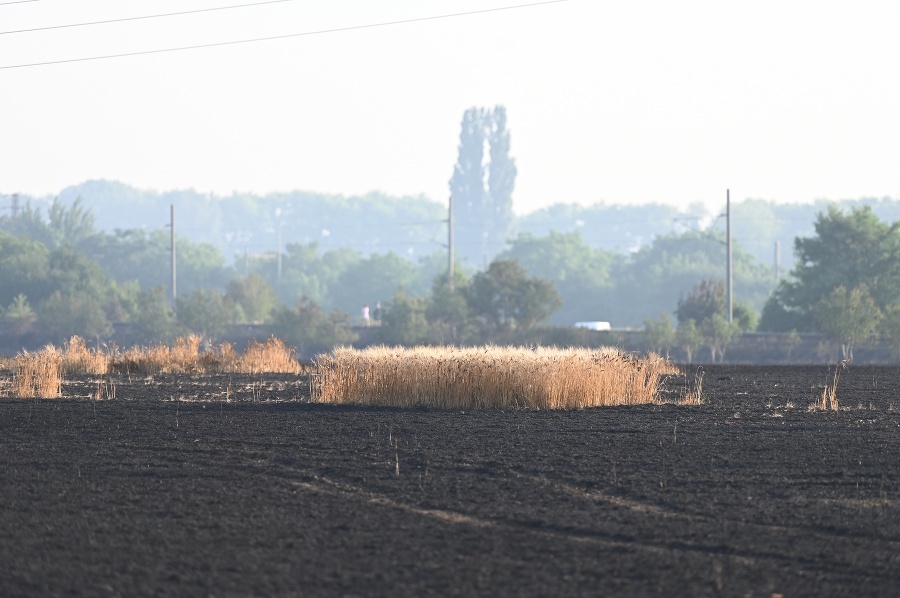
(467, 189)
(482, 189)
(501, 181)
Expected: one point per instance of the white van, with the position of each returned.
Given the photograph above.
(593, 325)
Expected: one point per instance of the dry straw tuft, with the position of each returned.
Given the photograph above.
(487, 377)
(829, 400)
(181, 358)
(273, 356)
(186, 357)
(38, 374)
(76, 357)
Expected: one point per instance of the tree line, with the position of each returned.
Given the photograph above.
(309, 263)
(62, 277)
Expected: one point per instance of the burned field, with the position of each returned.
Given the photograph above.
(237, 485)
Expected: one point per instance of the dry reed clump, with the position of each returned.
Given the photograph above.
(829, 400)
(7, 363)
(185, 356)
(76, 357)
(273, 357)
(38, 374)
(487, 377)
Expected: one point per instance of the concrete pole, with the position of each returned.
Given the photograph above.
(174, 287)
(450, 272)
(777, 261)
(279, 251)
(728, 244)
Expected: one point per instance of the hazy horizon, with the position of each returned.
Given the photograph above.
(48, 197)
(619, 104)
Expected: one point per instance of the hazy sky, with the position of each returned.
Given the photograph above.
(622, 102)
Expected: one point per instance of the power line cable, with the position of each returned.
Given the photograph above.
(277, 37)
(124, 19)
(18, 2)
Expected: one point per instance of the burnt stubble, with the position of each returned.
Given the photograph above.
(237, 485)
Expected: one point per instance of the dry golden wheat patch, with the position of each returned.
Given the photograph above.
(487, 377)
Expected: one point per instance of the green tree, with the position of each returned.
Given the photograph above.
(507, 299)
(20, 314)
(372, 279)
(848, 317)
(848, 250)
(501, 180)
(579, 272)
(65, 227)
(151, 316)
(71, 312)
(84, 301)
(717, 332)
(134, 255)
(311, 273)
(651, 279)
(404, 321)
(704, 301)
(744, 316)
(73, 226)
(688, 338)
(706, 306)
(447, 311)
(206, 312)
(470, 212)
(254, 295)
(659, 334)
(482, 193)
(200, 265)
(310, 329)
(24, 269)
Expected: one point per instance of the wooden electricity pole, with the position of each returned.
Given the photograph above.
(728, 251)
(450, 243)
(172, 224)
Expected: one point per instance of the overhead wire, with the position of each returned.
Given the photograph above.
(156, 16)
(284, 36)
(18, 2)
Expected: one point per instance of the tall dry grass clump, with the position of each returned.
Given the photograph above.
(77, 358)
(487, 377)
(182, 357)
(185, 356)
(38, 374)
(829, 400)
(273, 357)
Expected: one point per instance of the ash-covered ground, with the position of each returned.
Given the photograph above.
(237, 485)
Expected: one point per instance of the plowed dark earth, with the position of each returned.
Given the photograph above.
(171, 490)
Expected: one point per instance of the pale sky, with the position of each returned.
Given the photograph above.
(620, 102)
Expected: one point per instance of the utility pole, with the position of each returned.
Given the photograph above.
(450, 243)
(172, 224)
(777, 261)
(728, 251)
(14, 205)
(278, 277)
